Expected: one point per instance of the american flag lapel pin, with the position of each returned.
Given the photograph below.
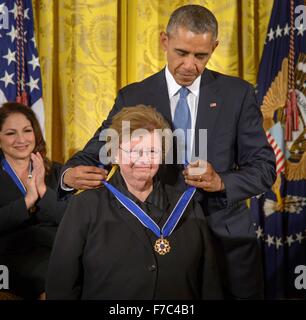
(213, 105)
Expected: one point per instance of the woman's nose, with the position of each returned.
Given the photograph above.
(20, 137)
(145, 156)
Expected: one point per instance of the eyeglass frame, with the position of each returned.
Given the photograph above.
(141, 152)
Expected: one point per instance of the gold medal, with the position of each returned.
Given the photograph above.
(162, 246)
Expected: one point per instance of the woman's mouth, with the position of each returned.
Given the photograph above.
(21, 148)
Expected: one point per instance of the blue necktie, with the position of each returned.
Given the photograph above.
(182, 118)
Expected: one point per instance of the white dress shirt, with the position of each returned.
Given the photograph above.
(192, 98)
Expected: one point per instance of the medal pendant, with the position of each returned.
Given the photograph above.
(162, 246)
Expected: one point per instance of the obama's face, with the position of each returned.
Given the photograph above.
(187, 53)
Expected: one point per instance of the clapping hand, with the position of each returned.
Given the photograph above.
(39, 173)
(30, 185)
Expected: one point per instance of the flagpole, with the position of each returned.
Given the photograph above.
(292, 123)
(22, 96)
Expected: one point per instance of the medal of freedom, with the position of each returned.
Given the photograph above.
(162, 246)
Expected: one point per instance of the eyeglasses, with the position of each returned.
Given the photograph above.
(138, 153)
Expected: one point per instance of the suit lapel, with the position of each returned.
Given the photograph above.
(209, 105)
(160, 97)
(209, 102)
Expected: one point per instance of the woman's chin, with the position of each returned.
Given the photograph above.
(19, 156)
(142, 174)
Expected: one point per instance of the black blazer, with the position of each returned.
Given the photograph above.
(17, 229)
(103, 252)
(237, 149)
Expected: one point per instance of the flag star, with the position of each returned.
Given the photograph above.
(34, 62)
(289, 240)
(278, 242)
(278, 31)
(2, 7)
(7, 79)
(259, 232)
(300, 30)
(26, 14)
(270, 240)
(15, 10)
(34, 41)
(271, 34)
(25, 36)
(13, 33)
(33, 84)
(286, 30)
(299, 237)
(10, 56)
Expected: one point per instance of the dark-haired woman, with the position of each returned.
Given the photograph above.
(29, 210)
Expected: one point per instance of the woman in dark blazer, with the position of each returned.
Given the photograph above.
(106, 248)
(29, 210)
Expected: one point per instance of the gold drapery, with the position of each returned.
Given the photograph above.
(90, 48)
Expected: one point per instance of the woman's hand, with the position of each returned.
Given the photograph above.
(39, 173)
(32, 194)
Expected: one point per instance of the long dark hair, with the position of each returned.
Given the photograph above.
(10, 108)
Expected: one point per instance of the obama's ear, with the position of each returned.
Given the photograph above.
(215, 45)
(164, 38)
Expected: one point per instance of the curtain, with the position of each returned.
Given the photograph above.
(91, 48)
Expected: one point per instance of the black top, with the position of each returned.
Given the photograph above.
(103, 252)
(19, 228)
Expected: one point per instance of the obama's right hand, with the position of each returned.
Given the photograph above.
(84, 177)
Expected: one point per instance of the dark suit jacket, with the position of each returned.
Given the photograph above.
(237, 149)
(14, 216)
(26, 241)
(103, 252)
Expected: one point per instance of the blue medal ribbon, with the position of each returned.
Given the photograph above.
(10, 171)
(147, 221)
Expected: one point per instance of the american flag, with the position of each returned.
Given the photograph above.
(279, 155)
(280, 214)
(20, 76)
